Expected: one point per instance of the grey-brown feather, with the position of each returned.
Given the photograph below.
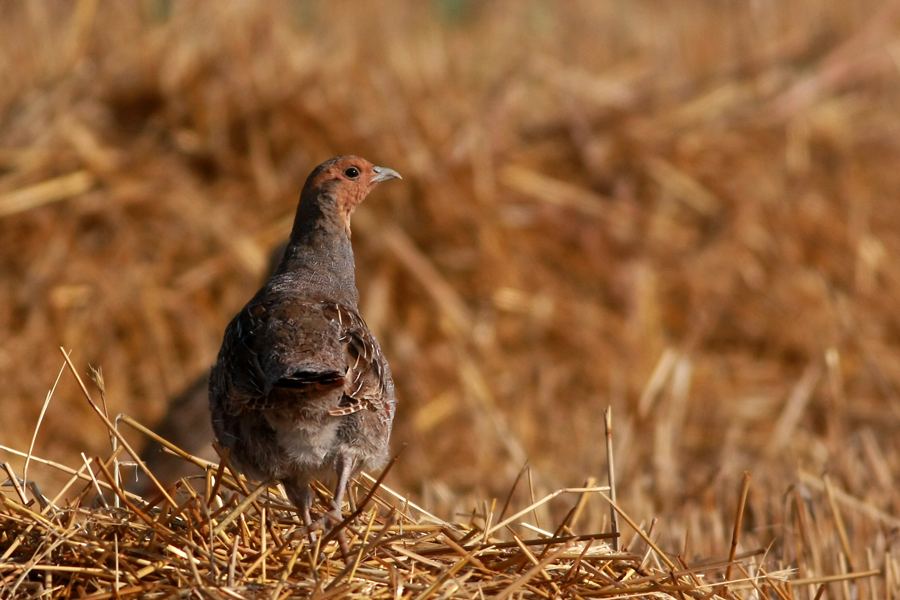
(286, 359)
(301, 389)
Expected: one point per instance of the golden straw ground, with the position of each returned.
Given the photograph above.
(685, 212)
(230, 540)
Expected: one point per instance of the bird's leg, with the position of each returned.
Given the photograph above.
(345, 467)
(301, 496)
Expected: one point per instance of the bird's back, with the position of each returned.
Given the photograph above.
(294, 378)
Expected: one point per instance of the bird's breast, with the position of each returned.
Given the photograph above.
(306, 432)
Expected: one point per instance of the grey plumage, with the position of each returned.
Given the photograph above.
(301, 389)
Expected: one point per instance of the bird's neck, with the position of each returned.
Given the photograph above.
(318, 260)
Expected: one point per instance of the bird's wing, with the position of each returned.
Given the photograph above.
(367, 375)
(277, 343)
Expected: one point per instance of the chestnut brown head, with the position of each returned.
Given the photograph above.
(348, 179)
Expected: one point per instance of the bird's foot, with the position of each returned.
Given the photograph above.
(344, 546)
(310, 531)
(329, 525)
(336, 517)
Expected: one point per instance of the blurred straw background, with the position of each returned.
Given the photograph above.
(687, 211)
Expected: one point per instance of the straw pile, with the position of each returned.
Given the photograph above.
(217, 538)
(253, 548)
(686, 212)
(227, 541)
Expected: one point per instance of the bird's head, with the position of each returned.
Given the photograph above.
(348, 180)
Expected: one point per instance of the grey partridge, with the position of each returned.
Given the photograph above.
(301, 389)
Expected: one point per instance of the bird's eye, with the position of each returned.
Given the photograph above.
(351, 173)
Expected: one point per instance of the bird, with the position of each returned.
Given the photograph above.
(301, 389)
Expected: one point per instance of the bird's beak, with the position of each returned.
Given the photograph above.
(384, 174)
